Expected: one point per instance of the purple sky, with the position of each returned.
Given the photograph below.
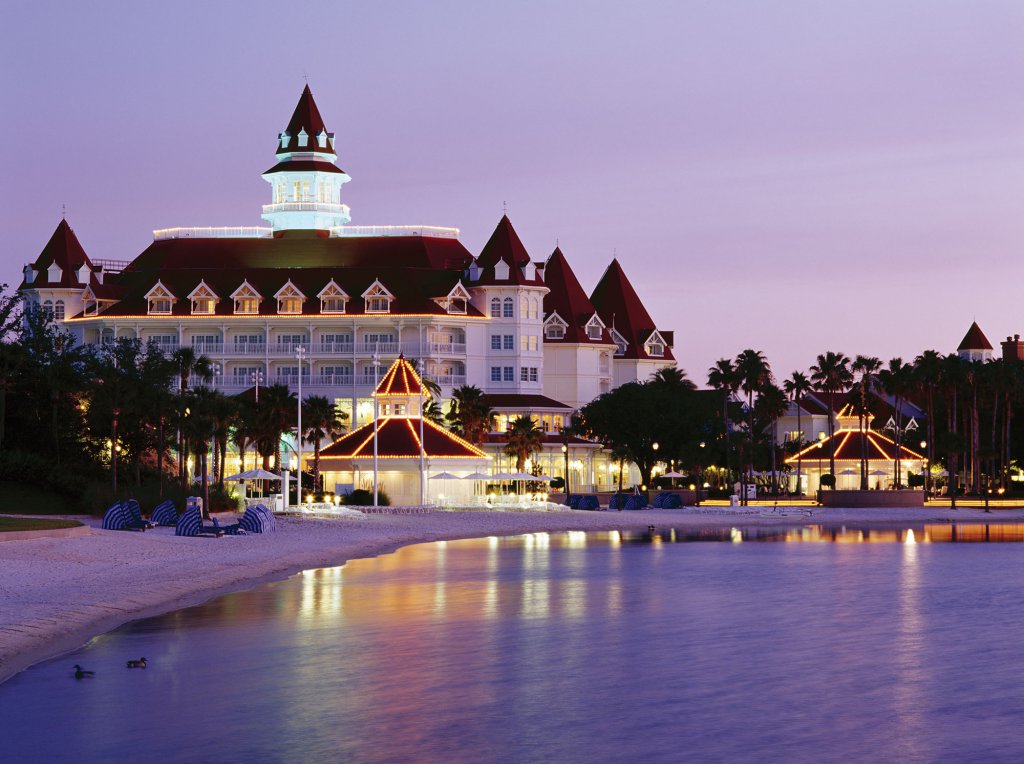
(761, 168)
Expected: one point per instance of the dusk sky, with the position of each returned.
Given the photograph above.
(790, 176)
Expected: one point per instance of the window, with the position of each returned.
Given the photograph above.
(496, 308)
(336, 373)
(495, 374)
(457, 305)
(246, 375)
(534, 308)
(248, 343)
(303, 139)
(332, 305)
(160, 306)
(508, 374)
(377, 299)
(533, 374)
(336, 343)
(495, 342)
(48, 310)
(58, 310)
(655, 349)
(594, 331)
(554, 332)
(524, 374)
(533, 342)
(508, 308)
(524, 307)
(508, 342)
(289, 305)
(166, 343)
(620, 343)
(376, 338)
(202, 306)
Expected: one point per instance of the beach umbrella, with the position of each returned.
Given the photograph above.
(848, 471)
(878, 472)
(477, 476)
(673, 474)
(503, 476)
(116, 518)
(190, 523)
(944, 473)
(256, 474)
(523, 476)
(258, 519)
(445, 476)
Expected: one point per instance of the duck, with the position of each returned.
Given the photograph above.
(81, 673)
(140, 663)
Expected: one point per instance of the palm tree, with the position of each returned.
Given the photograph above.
(673, 378)
(722, 377)
(470, 415)
(224, 413)
(321, 421)
(523, 438)
(245, 432)
(897, 380)
(867, 367)
(197, 431)
(928, 373)
(831, 374)
(951, 380)
(275, 414)
(796, 387)
(754, 373)
(771, 406)
(188, 364)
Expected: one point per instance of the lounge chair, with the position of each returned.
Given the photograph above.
(135, 514)
(118, 518)
(165, 514)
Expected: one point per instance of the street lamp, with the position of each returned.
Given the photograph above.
(565, 456)
(700, 472)
(926, 473)
(300, 354)
(257, 377)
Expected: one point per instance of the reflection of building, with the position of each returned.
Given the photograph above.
(354, 297)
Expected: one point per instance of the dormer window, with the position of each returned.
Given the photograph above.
(595, 329)
(321, 140)
(501, 271)
(160, 300)
(655, 345)
(30, 274)
(246, 300)
(554, 332)
(377, 299)
(204, 301)
(332, 298)
(53, 273)
(285, 140)
(455, 301)
(83, 274)
(303, 138)
(457, 305)
(289, 299)
(620, 343)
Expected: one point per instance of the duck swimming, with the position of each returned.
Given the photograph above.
(140, 663)
(81, 673)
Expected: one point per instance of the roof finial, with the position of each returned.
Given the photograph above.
(504, 207)
(305, 76)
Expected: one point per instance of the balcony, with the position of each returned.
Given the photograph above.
(287, 348)
(247, 348)
(447, 348)
(306, 205)
(447, 380)
(370, 378)
(378, 348)
(208, 348)
(334, 348)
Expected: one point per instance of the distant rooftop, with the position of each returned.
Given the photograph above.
(260, 232)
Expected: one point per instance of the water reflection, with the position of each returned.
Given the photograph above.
(925, 533)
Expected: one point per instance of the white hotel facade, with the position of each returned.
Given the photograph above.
(355, 297)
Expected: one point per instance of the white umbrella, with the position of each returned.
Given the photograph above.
(257, 474)
(944, 473)
(445, 476)
(848, 471)
(755, 473)
(673, 474)
(503, 476)
(543, 478)
(878, 472)
(477, 476)
(523, 476)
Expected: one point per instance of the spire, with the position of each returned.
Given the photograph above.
(619, 305)
(401, 381)
(504, 244)
(567, 298)
(306, 117)
(975, 339)
(64, 251)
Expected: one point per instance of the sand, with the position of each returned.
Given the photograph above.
(57, 593)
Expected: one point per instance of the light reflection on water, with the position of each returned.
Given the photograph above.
(619, 646)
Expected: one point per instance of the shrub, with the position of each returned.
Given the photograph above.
(828, 480)
(363, 498)
(915, 481)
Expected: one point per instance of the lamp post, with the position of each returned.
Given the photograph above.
(700, 473)
(257, 377)
(654, 447)
(300, 354)
(926, 473)
(565, 456)
(114, 448)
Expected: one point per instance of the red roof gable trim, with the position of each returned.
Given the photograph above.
(401, 380)
(398, 438)
(848, 448)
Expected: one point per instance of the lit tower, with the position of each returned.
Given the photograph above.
(305, 182)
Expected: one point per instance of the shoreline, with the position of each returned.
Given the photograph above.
(59, 593)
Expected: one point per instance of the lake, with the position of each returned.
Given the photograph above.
(736, 645)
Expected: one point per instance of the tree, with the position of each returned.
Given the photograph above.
(672, 378)
(754, 373)
(523, 438)
(276, 413)
(224, 414)
(246, 429)
(197, 432)
(469, 414)
(897, 380)
(927, 377)
(188, 364)
(831, 374)
(723, 377)
(321, 421)
(772, 406)
(796, 387)
(10, 351)
(867, 367)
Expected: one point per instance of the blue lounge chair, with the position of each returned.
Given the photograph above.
(118, 518)
(589, 502)
(165, 513)
(135, 515)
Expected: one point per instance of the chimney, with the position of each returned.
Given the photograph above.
(1013, 349)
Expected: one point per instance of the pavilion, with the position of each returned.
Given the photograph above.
(406, 448)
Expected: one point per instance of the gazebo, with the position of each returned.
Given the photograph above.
(401, 448)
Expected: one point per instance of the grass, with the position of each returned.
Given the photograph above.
(9, 524)
(22, 499)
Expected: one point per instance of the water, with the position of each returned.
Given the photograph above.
(569, 648)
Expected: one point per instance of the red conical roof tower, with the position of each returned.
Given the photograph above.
(65, 251)
(567, 298)
(620, 308)
(306, 117)
(504, 246)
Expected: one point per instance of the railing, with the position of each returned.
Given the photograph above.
(111, 266)
(204, 348)
(369, 378)
(247, 349)
(447, 380)
(431, 231)
(230, 232)
(380, 348)
(306, 206)
(287, 347)
(334, 380)
(447, 348)
(333, 347)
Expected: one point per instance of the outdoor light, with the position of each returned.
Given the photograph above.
(655, 445)
(564, 449)
(693, 487)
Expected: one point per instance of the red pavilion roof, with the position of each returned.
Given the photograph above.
(401, 380)
(848, 448)
(399, 438)
(306, 117)
(975, 339)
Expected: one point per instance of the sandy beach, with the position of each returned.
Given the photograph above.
(56, 593)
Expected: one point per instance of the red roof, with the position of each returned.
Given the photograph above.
(399, 438)
(620, 308)
(975, 339)
(306, 117)
(523, 401)
(505, 246)
(848, 448)
(304, 165)
(401, 380)
(567, 298)
(552, 439)
(415, 269)
(64, 250)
